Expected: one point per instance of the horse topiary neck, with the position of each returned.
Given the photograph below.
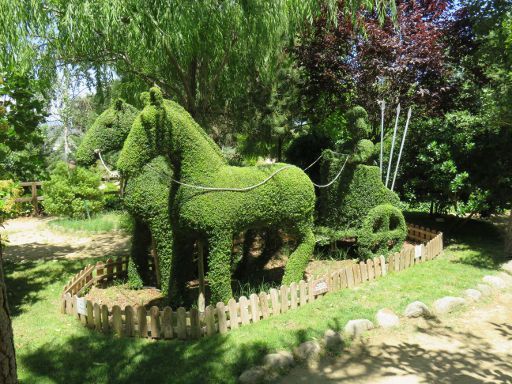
(195, 154)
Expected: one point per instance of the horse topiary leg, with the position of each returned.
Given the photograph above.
(180, 269)
(219, 264)
(162, 233)
(138, 267)
(298, 260)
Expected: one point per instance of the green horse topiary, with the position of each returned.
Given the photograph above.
(286, 200)
(146, 195)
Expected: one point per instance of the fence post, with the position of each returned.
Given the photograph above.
(34, 198)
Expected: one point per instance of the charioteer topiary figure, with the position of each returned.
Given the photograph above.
(358, 205)
(146, 195)
(211, 201)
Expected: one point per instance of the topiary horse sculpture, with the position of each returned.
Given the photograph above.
(146, 195)
(210, 200)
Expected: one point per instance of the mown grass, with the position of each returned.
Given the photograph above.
(55, 348)
(103, 222)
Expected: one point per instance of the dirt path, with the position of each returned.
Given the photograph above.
(473, 346)
(30, 238)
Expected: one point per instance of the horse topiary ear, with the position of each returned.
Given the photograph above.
(156, 96)
(118, 104)
(145, 99)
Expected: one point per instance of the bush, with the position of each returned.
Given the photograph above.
(384, 230)
(73, 192)
(9, 192)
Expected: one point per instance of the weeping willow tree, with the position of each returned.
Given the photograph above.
(200, 53)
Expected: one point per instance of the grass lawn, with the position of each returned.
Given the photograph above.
(103, 222)
(54, 348)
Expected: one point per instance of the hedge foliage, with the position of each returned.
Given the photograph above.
(384, 230)
(147, 199)
(73, 192)
(9, 192)
(146, 195)
(346, 203)
(107, 133)
(165, 128)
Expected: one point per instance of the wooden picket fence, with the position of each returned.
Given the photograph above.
(195, 323)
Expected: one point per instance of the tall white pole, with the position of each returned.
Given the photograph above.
(382, 108)
(393, 144)
(401, 148)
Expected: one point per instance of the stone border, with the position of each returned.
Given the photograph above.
(309, 352)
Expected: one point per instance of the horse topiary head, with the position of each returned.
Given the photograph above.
(164, 128)
(107, 133)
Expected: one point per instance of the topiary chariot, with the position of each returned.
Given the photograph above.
(358, 207)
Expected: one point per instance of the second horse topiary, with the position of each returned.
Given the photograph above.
(203, 206)
(146, 196)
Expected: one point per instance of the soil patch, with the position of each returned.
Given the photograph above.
(30, 238)
(122, 295)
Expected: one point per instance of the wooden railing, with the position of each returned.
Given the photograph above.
(33, 185)
(195, 323)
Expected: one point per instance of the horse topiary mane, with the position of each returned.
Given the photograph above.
(212, 216)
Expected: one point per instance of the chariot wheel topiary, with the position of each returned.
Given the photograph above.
(384, 230)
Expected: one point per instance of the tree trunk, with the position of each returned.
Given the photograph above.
(508, 236)
(7, 354)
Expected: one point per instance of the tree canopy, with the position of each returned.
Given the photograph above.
(200, 53)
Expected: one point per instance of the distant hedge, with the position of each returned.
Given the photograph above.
(73, 192)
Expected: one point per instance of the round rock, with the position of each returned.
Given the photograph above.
(254, 375)
(448, 304)
(386, 318)
(507, 267)
(506, 278)
(417, 309)
(332, 340)
(308, 350)
(280, 361)
(357, 327)
(494, 281)
(473, 294)
(484, 289)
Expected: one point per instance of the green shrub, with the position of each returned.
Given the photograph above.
(346, 203)
(345, 209)
(9, 192)
(147, 199)
(73, 192)
(112, 199)
(357, 124)
(146, 194)
(384, 230)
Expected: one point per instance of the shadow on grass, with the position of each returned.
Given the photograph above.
(97, 358)
(480, 241)
(473, 361)
(26, 281)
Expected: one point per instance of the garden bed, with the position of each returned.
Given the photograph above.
(222, 317)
